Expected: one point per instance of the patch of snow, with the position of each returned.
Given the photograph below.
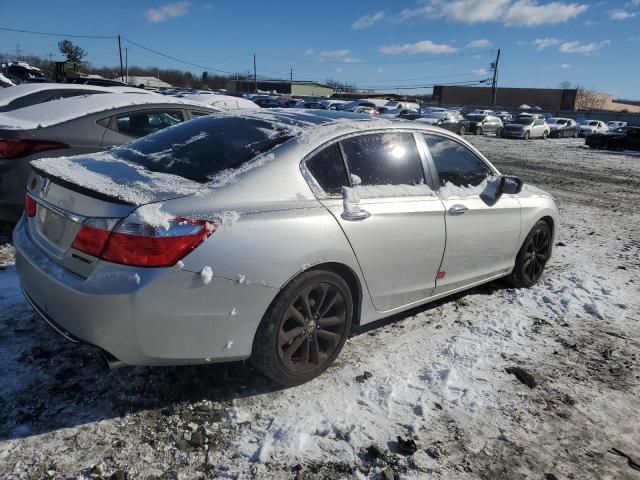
(355, 179)
(206, 274)
(228, 345)
(241, 278)
(449, 190)
(233, 312)
(180, 264)
(376, 191)
(153, 215)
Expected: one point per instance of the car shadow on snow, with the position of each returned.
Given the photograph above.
(48, 383)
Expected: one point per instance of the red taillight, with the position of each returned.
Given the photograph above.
(140, 244)
(18, 148)
(30, 206)
(91, 240)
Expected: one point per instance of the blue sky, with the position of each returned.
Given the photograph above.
(374, 43)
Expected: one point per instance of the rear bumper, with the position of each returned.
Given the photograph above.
(143, 316)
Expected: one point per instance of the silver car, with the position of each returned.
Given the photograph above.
(526, 127)
(77, 125)
(268, 236)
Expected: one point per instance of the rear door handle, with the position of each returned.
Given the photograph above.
(457, 209)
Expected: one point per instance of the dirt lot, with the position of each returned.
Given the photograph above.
(438, 375)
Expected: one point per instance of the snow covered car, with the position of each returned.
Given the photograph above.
(78, 125)
(268, 236)
(591, 126)
(613, 124)
(28, 94)
(219, 101)
(623, 138)
(526, 127)
(562, 127)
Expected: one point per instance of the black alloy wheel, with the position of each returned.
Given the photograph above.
(532, 257)
(305, 329)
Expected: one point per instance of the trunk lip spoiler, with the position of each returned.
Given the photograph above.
(65, 213)
(80, 189)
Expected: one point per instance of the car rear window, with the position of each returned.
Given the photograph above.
(200, 149)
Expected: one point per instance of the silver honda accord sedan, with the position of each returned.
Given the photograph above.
(268, 236)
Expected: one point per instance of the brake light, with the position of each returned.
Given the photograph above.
(18, 148)
(140, 244)
(30, 206)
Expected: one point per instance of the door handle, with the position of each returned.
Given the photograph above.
(355, 215)
(457, 209)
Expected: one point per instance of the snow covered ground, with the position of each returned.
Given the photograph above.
(437, 375)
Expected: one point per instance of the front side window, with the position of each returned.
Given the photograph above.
(327, 167)
(455, 163)
(384, 159)
(140, 124)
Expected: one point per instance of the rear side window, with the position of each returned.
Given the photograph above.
(328, 169)
(384, 159)
(140, 124)
(455, 163)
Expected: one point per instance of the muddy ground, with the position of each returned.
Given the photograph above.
(493, 383)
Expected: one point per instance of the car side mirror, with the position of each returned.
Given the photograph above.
(511, 185)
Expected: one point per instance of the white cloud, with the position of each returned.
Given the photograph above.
(167, 12)
(472, 11)
(309, 51)
(367, 21)
(565, 66)
(542, 43)
(338, 70)
(584, 48)
(344, 55)
(528, 13)
(481, 72)
(620, 14)
(525, 13)
(480, 43)
(423, 46)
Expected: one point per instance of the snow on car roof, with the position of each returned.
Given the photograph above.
(8, 95)
(224, 102)
(53, 113)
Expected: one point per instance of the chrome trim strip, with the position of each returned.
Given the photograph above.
(49, 322)
(74, 217)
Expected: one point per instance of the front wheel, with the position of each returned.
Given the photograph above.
(461, 131)
(478, 130)
(545, 134)
(527, 135)
(305, 329)
(532, 257)
(499, 132)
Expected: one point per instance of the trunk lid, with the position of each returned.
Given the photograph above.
(68, 191)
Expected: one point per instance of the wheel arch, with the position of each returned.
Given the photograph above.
(349, 276)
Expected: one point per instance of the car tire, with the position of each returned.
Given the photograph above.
(527, 135)
(532, 256)
(499, 132)
(545, 135)
(561, 134)
(479, 131)
(294, 329)
(461, 131)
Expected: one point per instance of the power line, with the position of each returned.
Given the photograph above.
(59, 34)
(415, 60)
(466, 74)
(417, 87)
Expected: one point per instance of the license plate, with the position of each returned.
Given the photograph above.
(52, 225)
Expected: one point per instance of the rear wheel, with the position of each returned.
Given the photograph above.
(461, 130)
(545, 134)
(527, 135)
(305, 329)
(499, 132)
(532, 257)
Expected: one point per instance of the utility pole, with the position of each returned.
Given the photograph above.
(120, 52)
(494, 82)
(255, 75)
(126, 64)
(291, 75)
(17, 52)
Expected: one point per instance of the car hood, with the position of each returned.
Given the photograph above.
(107, 176)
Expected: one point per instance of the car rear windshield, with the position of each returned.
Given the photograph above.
(200, 149)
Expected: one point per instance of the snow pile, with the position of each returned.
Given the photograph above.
(153, 215)
(375, 191)
(206, 274)
(449, 190)
(107, 174)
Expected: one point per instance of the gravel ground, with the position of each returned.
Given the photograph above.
(493, 383)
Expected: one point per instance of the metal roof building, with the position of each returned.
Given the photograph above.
(285, 87)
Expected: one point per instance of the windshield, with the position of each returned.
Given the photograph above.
(559, 122)
(593, 124)
(200, 149)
